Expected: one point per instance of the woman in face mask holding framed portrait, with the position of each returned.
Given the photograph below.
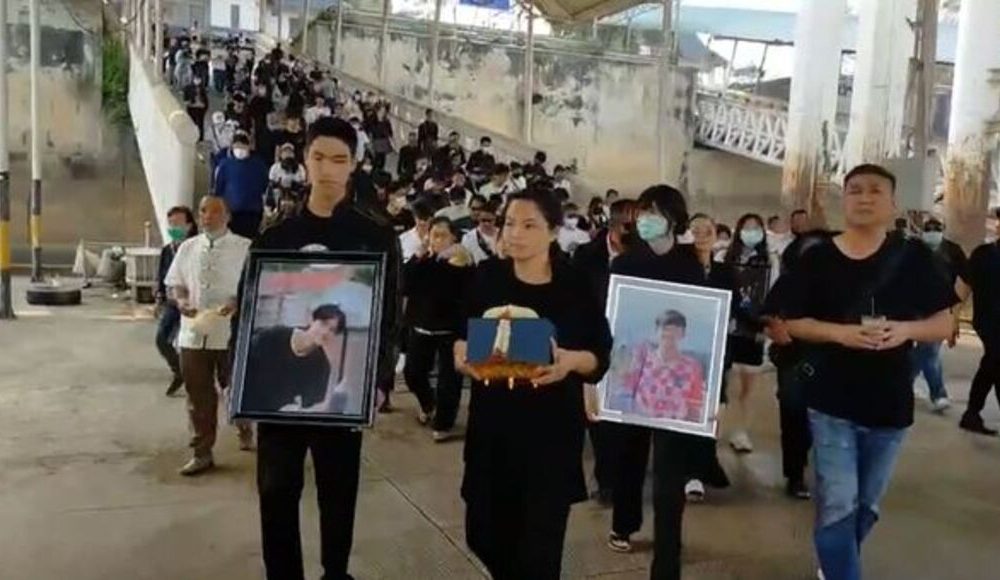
(677, 457)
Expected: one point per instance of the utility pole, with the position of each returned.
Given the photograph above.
(928, 67)
(529, 75)
(35, 221)
(666, 62)
(435, 42)
(383, 41)
(6, 307)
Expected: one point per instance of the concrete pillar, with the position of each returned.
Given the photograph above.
(6, 302)
(281, 21)
(972, 134)
(812, 104)
(881, 81)
(383, 41)
(435, 41)
(529, 77)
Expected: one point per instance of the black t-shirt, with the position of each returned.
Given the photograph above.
(276, 375)
(195, 97)
(871, 388)
(950, 261)
(402, 221)
(984, 278)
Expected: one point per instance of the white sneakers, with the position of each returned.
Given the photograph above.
(695, 491)
(197, 465)
(941, 405)
(740, 442)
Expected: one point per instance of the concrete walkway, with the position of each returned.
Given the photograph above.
(89, 449)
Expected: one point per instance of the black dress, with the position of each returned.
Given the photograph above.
(524, 446)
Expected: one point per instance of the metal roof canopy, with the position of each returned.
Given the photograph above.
(584, 10)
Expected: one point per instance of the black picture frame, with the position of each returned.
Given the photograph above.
(248, 389)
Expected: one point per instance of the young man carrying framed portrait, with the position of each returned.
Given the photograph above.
(328, 223)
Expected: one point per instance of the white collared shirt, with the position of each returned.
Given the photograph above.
(570, 239)
(410, 243)
(210, 271)
(471, 242)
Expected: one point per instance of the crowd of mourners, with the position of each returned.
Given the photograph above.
(849, 321)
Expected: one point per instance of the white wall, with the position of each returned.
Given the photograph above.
(166, 137)
(249, 13)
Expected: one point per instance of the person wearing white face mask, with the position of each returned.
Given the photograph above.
(951, 263)
(570, 235)
(755, 269)
(242, 181)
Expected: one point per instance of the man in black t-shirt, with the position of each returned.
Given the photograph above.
(984, 284)
(858, 303)
(291, 367)
(329, 222)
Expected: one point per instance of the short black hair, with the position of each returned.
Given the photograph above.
(477, 198)
(501, 169)
(547, 203)
(561, 194)
(422, 210)
(799, 212)
(671, 318)
(452, 227)
(611, 192)
(456, 194)
(870, 169)
(485, 140)
(381, 180)
(334, 128)
(242, 138)
(622, 212)
(541, 157)
(772, 219)
(669, 202)
(331, 312)
(933, 221)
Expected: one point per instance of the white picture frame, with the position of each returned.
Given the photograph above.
(668, 358)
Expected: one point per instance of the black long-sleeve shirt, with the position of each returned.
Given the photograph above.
(434, 290)
(166, 258)
(984, 278)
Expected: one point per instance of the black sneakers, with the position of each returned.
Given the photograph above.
(797, 489)
(175, 385)
(974, 424)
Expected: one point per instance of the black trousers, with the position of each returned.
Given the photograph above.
(197, 115)
(421, 352)
(517, 536)
(796, 438)
(604, 455)
(987, 377)
(281, 453)
(675, 458)
(246, 224)
(166, 330)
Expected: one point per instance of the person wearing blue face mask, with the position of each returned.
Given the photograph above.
(180, 226)
(951, 263)
(754, 266)
(677, 457)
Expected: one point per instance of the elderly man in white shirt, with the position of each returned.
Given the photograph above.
(203, 279)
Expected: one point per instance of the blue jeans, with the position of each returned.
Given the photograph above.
(925, 357)
(166, 330)
(853, 466)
